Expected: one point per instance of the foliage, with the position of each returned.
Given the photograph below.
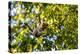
(61, 33)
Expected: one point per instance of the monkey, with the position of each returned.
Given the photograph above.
(39, 29)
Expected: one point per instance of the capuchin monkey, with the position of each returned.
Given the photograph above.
(37, 31)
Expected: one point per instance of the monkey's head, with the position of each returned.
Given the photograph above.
(44, 26)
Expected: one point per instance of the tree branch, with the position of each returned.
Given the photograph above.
(29, 27)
